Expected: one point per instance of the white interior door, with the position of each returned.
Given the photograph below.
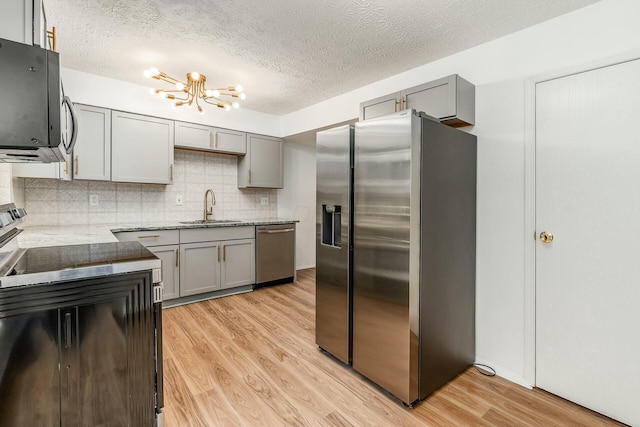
(588, 277)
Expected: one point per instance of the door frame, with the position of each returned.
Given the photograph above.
(530, 196)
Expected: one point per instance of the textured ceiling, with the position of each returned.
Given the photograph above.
(287, 54)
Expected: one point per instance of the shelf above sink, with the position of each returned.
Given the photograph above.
(211, 221)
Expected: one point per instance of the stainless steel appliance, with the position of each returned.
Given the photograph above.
(413, 275)
(334, 241)
(275, 254)
(80, 332)
(33, 106)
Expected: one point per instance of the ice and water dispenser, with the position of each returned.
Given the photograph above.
(331, 225)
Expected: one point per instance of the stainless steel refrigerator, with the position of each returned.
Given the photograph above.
(411, 299)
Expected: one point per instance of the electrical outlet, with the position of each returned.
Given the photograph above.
(93, 200)
(264, 201)
(179, 200)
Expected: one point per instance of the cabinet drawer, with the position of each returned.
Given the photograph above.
(150, 238)
(193, 235)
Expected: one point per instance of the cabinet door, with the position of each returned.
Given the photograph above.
(229, 141)
(380, 106)
(238, 263)
(92, 152)
(199, 268)
(170, 256)
(435, 98)
(189, 135)
(262, 167)
(16, 21)
(142, 149)
(29, 373)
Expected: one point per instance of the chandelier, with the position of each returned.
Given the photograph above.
(194, 91)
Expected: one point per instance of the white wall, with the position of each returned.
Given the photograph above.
(298, 199)
(105, 92)
(602, 29)
(498, 69)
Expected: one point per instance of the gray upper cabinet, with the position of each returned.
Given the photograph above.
(141, 148)
(262, 166)
(24, 21)
(450, 99)
(380, 106)
(206, 138)
(92, 153)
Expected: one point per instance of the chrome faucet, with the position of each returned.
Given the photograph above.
(208, 208)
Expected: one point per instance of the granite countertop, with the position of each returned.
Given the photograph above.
(41, 236)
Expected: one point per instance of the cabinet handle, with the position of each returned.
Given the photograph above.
(249, 176)
(224, 253)
(151, 236)
(404, 103)
(53, 36)
(66, 167)
(216, 144)
(218, 253)
(171, 172)
(67, 330)
(395, 105)
(210, 138)
(177, 257)
(77, 165)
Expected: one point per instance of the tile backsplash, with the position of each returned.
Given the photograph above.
(53, 202)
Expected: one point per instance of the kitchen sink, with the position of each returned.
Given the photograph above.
(210, 221)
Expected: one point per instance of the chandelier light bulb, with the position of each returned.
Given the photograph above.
(243, 96)
(146, 73)
(208, 92)
(239, 88)
(179, 86)
(235, 105)
(153, 71)
(152, 91)
(161, 94)
(215, 93)
(195, 75)
(227, 107)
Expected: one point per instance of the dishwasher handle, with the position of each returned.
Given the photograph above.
(282, 230)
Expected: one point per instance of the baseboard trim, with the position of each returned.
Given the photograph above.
(506, 374)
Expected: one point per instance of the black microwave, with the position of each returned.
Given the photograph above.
(33, 107)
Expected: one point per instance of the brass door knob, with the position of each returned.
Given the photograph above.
(546, 237)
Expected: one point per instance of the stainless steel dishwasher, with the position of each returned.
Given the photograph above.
(275, 254)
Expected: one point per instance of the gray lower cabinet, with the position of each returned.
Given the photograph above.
(262, 166)
(200, 268)
(141, 148)
(200, 260)
(78, 353)
(238, 263)
(170, 256)
(450, 99)
(206, 138)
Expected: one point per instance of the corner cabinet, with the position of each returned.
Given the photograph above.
(141, 148)
(92, 153)
(262, 166)
(206, 138)
(450, 99)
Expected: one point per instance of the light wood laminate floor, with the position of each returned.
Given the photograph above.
(251, 360)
